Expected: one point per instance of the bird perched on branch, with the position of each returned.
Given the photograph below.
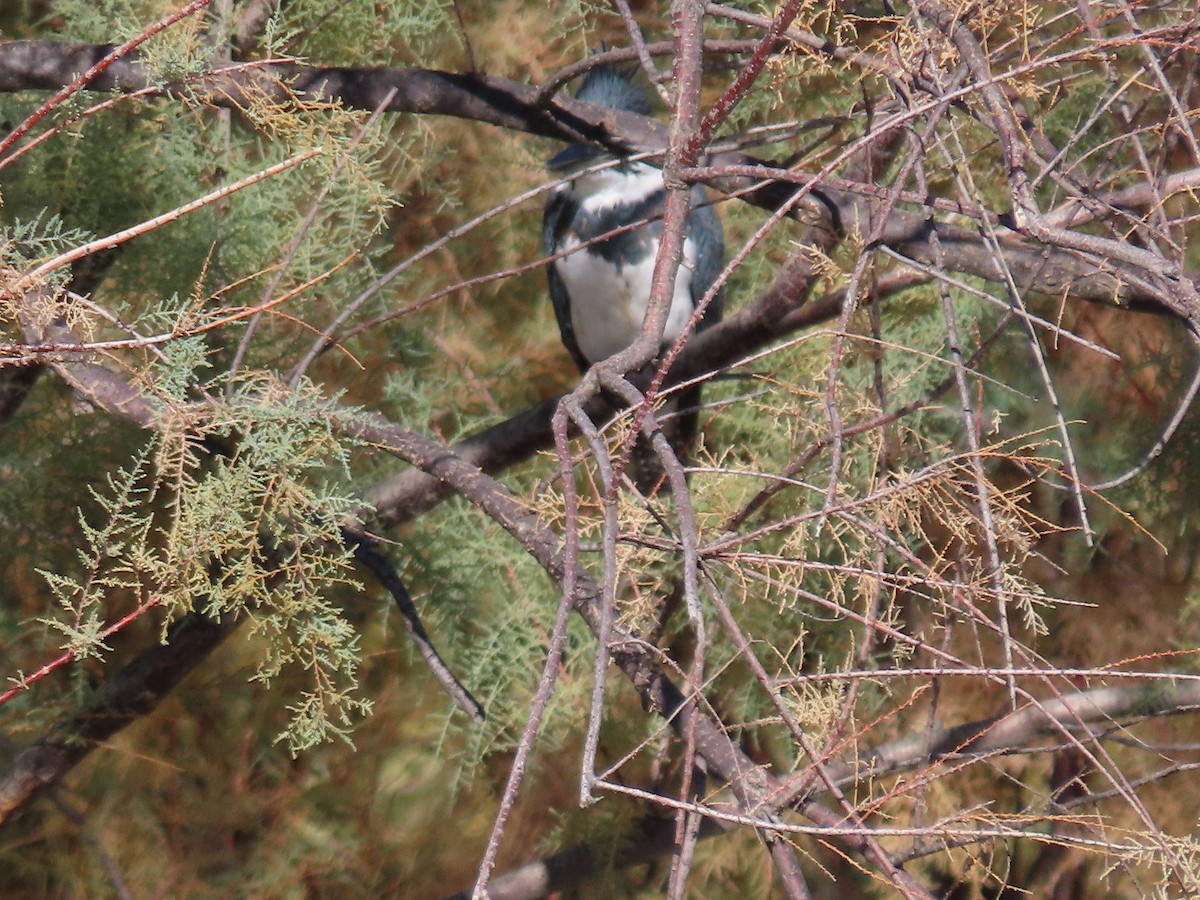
(601, 290)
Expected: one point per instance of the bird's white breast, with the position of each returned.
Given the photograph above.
(609, 300)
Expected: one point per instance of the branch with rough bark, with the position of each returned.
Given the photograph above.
(1102, 712)
(1046, 266)
(138, 687)
(1025, 249)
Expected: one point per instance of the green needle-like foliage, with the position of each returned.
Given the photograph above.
(907, 559)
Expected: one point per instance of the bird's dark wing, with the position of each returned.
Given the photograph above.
(560, 210)
(704, 228)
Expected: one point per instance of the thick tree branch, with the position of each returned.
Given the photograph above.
(137, 688)
(133, 692)
(753, 786)
(142, 684)
(1109, 708)
(1049, 269)
(1038, 253)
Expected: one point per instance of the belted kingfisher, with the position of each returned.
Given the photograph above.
(600, 292)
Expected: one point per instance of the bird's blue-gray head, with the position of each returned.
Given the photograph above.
(611, 86)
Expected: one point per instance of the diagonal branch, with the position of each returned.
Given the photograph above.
(133, 692)
(137, 688)
(1057, 262)
(1010, 733)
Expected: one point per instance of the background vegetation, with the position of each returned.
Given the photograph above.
(277, 353)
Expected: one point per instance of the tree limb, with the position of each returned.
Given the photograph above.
(1009, 733)
(133, 692)
(1045, 268)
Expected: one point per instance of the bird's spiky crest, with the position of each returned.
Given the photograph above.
(613, 86)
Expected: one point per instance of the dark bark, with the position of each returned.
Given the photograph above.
(48, 65)
(133, 692)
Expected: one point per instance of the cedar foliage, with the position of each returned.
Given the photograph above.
(893, 572)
